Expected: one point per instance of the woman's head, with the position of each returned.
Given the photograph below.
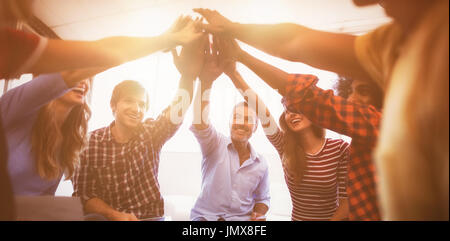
(294, 156)
(77, 95)
(361, 92)
(56, 147)
(296, 122)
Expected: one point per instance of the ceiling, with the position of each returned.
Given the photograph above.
(89, 20)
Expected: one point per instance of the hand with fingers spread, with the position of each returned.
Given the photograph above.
(217, 22)
(192, 57)
(212, 68)
(185, 30)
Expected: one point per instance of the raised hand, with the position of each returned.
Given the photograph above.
(192, 57)
(185, 30)
(217, 22)
(211, 69)
(229, 52)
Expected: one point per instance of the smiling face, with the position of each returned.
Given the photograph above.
(296, 122)
(362, 93)
(77, 95)
(242, 124)
(129, 110)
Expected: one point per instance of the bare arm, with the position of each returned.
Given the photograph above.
(61, 55)
(190, 64)
(210, 72)
(259, 210)
(324, 50)
(73, 77)
(276, 78)
(229, 52)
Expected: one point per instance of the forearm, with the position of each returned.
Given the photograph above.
(273, 76)
(96, 205)
(260, 208)
(271, 38)
(182, 100)
(342, 211)
(73, 77)
(61, 55)
(324, 50)
(201, 106)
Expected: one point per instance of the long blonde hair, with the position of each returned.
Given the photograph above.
(294, 156)
(52, 160)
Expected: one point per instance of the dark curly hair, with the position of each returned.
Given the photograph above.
(343, 88)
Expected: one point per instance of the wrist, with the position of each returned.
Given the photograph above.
(170, 39)
(112, 214)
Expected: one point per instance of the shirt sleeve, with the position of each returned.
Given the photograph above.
(322, 107)
(277, 141)
(209, 139)
(20, 51)
(161, 129)
(262, 193)
(26, 99)
(342, 170)
(84, 179)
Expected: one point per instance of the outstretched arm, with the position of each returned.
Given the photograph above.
(324, 50)
(189, 63)
(229, 52)
(61, 55)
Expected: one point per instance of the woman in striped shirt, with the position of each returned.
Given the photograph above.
(315, 167)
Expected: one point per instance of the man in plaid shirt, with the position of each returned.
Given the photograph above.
(117, 176)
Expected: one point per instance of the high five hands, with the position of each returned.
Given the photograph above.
(199, 56)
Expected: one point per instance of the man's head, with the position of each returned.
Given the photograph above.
(129, 102)
(358, 91)
(243, 123)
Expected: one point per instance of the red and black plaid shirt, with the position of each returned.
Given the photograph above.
(359, 122)
(125, 176)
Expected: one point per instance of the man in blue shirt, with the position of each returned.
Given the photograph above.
(235, 179)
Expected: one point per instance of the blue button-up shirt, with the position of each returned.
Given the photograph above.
(229, 190)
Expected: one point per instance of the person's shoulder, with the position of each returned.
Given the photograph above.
(338, 143)
(98, 134)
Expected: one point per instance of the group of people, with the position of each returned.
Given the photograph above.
(392, 100)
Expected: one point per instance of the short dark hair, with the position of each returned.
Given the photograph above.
(129, 86)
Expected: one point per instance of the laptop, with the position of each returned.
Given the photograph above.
(48, 208)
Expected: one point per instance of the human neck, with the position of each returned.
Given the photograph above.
(309, 141)
(410, 17)
(242, 149)
(61, 111)
(121, 133)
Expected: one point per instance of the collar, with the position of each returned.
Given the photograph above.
(254, 156)
(108, 136)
